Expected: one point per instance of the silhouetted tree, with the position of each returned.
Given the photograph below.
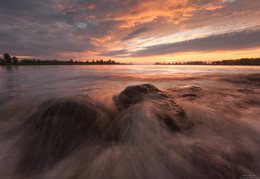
(15, 59)
(7, 58)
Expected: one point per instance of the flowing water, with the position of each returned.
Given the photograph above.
(64, 122)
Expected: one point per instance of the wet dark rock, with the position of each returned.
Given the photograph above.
(134, 94)
(189, 95)
(56, 129)
(172, 115)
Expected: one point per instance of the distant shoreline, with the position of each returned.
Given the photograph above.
(58, 64)
(203, 65)
(116, 64)
(7, 60)
(237, 62)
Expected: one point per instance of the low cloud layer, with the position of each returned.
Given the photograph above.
(130, 28)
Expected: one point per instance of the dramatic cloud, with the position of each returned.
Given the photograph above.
(135, 33)
(87, 29)
(115, 53)
(228, 41)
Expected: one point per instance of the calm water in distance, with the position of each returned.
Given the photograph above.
(95, 79)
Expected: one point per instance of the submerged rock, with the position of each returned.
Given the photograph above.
(188, 92)
(56, 129)
(189, 95)
(246, 91)
(192, 88)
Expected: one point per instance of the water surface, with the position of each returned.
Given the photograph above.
(64, 122)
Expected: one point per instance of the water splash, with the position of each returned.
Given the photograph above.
(146, 133)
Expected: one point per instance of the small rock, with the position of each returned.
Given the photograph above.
(189, 95)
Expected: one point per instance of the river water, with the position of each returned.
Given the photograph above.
(44, 133)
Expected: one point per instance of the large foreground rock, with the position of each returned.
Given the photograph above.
(135, 94)
(170, 113)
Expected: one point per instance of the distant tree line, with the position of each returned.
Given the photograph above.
(242, 61)
(8, 60)
(183, 63)
(102, 62)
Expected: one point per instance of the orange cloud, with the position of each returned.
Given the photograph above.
(99, 41)
(172, 11)
(76, 8)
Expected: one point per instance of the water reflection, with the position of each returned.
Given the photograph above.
(9, 81)
(66, 80)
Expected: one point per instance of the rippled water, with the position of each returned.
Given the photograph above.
(71, 80)
(63, 122)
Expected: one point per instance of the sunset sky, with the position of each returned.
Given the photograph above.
(136, 31)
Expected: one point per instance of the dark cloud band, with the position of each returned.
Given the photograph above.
(229, 41)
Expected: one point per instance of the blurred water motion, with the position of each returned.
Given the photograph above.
(65, 122)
